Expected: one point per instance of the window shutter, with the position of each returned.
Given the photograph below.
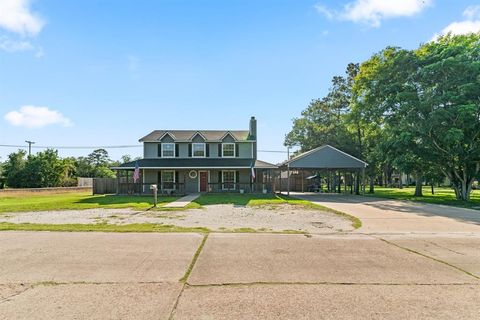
(189, 150)
(177, 153)
(176, 176)
(219, 176)
(207, 150)
(159, 178)
(159, 150)
(237, 153)
(219, 150)
(237, 176)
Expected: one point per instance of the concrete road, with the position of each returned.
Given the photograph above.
(394, 216)
(48, 275)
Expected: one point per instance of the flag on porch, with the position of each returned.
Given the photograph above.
(136, 173)
(253, 172)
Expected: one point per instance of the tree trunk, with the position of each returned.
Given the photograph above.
(357, 183)
(418, 185)
(372, 185)
(433, 190)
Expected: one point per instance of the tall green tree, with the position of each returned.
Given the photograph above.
(14, 169)
(429, 99)
(44, 169)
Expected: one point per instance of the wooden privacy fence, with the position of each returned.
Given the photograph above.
(104, 185)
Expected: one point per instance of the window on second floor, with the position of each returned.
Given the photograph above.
(198, 150)
(168, 150)
(228, 150)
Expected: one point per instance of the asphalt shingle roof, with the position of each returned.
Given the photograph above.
(187, 135)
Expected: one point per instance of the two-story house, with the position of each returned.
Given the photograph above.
(188, 161)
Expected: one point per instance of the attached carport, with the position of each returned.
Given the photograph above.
(332, 167)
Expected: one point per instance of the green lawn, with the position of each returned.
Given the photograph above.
(79, 201)
(74, 201)
(444, 196)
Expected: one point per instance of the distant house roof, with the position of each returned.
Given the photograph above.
(324, 157)
(195, 163)
(188, 135)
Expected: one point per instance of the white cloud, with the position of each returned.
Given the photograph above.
(325, 11)
(9, 45)
(16, 16)
(472, 12)
(36, 117)
(372, 12)
(470, 25)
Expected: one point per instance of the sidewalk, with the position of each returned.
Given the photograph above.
(183, 201)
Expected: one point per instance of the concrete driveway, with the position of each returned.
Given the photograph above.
(394, 216)
(50, 275)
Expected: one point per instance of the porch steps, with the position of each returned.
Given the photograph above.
(183, 201)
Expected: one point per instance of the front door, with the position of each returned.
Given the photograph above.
(203, 181)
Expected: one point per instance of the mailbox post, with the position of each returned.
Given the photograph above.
(154, 188)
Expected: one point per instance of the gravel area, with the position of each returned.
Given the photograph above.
(215, 217)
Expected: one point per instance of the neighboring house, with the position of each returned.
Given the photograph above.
(187, 161)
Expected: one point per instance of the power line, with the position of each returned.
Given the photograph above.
(30, 146)
(99, 147)
(72, 147)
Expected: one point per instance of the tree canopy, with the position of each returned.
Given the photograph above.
(413, 111)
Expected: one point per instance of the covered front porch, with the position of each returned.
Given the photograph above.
(180, 181)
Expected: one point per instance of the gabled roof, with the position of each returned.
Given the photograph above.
(259, 164)
(187, 135)
(324, 157)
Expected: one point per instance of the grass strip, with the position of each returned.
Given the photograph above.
(100, 227)
(194, 260)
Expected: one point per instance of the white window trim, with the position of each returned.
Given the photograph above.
(173, 171)
(204, 150)
(234, 150)
(234, 180)
(163, 149)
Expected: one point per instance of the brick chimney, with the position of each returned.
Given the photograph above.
(253, 135)
(253, 128)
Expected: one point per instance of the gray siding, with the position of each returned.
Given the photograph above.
(245, 150)
(326, 157)
(167, 139)
(150, 150)
(198, 139)
(228, 139)
(183, 150)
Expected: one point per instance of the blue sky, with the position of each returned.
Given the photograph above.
(107, 72)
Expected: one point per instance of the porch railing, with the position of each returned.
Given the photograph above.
(239, 187)
(167, 188)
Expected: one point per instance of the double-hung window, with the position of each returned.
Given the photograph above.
(228, 150)
(228, 180)
(168, 179)
(198, 150)
(168, 150)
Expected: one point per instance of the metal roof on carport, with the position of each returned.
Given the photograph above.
(324, 157)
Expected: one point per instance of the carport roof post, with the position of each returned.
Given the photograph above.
(324, 157)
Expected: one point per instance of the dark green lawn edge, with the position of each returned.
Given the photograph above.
(194, 260)
(138, 228)
(427, 199)
(100, 227)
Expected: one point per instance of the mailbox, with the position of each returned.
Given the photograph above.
(153, 187)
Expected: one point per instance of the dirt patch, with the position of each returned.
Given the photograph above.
(273, 218)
